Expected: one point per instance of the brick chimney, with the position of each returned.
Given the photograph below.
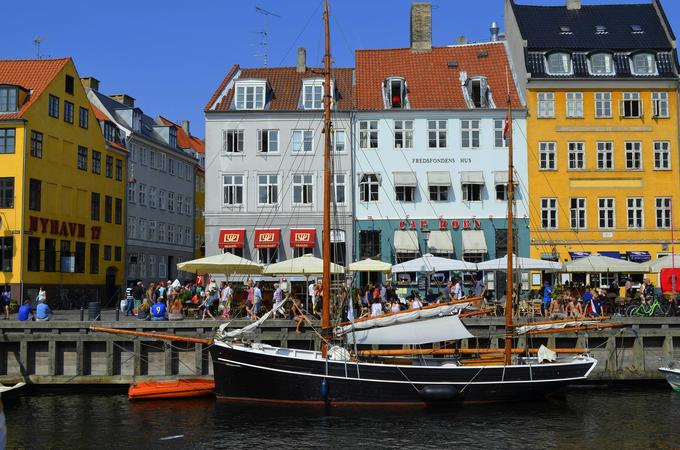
(124, 99)
(185, 127)
(421, 26)
(573, 4)
(90, 82)
(301, 60)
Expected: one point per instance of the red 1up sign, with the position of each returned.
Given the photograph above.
(423, 225)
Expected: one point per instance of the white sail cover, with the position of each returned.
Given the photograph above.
(554, 326)
(447, 328)
(222, 330)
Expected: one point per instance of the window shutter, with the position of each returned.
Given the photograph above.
(621, 108)
(259, 140)
(224, 141)
(240, 141)
(642, 107)
(386, 94)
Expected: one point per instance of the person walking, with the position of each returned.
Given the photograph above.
(457, 290)
(5, 300)
(257, 301)
(278, 299)
(137, 296)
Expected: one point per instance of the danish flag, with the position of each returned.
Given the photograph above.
(506, 127)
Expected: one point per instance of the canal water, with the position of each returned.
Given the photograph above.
(600, 417)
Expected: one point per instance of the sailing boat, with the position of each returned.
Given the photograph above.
(256, 372)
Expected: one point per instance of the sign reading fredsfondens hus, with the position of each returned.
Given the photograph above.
(444, 224)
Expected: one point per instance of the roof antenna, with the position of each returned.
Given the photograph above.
(264, 43)
(36, 42)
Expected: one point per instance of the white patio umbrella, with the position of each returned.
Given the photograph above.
(370, 265)
(304, 265)
(665, 262)
(225, 263)
(431, 263)
(520, 263)
(601, 264)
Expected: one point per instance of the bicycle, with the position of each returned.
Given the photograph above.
(645, 309)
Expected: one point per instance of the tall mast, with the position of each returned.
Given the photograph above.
(511, 202)
(326, 242)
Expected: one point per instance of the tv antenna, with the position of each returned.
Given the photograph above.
(36, 42)
(264, 43)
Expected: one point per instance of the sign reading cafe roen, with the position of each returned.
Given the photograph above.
(423, 225)
(62, 228)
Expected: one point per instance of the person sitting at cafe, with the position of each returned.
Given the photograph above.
(376, 308)
(43, 312)
(158, 311)
(431, 297)
(556, 309)
(416, 303)
(297, 314)
(25, 312)
(143, 313)
(175, 310)
(574, 308)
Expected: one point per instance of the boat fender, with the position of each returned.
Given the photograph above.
(433, 394)
(324, 390)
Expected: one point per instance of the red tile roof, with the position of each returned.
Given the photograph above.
(185, 140)
(99, 115)
(32, 74)
(221, 87)
(286, 85)
(432, 84)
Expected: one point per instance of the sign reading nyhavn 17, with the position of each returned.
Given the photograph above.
(62, 228)
(466, 224)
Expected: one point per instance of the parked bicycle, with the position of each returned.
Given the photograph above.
(648, 307)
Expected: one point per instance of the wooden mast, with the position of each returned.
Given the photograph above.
(511, 200)
(326, 240)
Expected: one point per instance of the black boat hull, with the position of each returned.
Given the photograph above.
(243, 374)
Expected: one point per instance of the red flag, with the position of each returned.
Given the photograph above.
(506, 128)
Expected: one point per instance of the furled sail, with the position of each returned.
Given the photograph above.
(555, 326)
(424, 331)
(222, 330)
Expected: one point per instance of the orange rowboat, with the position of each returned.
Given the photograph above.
(185, 388)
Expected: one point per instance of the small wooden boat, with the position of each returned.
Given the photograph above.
(183, 388)
(672, 376)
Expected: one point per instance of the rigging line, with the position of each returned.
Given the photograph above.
(304, 28)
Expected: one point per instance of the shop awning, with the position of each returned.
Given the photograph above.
(550, 257)
(439, 178)
(405, 178)
(639, 257)
(267, 238)
(501, 177)
(302, 237)
(579, 255)
(474, 242)
(337, 236)
(440, 242)
(472, 177)
(616, 255)
(406, 241)
(231, 238)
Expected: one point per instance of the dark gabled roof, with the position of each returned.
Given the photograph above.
(540, 27)
(285, 86)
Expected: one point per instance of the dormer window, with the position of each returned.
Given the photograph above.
(600, 29)
(9, 99)
(559, 64)
(636, 29)
(643, 64)
(395, 93)
(172, 137)
(137, 120)
(312, 93)
(250, 95)
(477, 90)
(602, 64)
(565, 30)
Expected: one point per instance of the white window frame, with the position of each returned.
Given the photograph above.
(664, 214)
(250, 95)
(607, 65)
(578, 213)
(545, 102)
(270, 138)
(142, 194)
(498, 131)
(162, 200)
(471, 188)
(339, 186)
(407, 194)
(153, 197)
(369, 184)
(339, 141)
(606, 213)
(151, 231)
(633, 155)
(403, 131)
(312, 94)
(635, 212)
(303, 189)
(232, 143)
(469, 133)
(575, 105)
(660, 105)
(302, 142)
(437, 134)
(267, 256)
(547, 155)
(650, 60)
(368, 134)
(576, 155)
(403, 92)
(605, 155)
(549, 217)
(628, 98)
(272, 189)
(567, 65)
(171, 201)
(662, 155)
(603, 105)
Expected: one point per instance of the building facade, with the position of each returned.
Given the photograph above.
(62, 189)
(160, 191)
(264, 164)
(602, 129)
(431, 156)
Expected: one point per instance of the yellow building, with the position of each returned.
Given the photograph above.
(62, 189)
(602, 128)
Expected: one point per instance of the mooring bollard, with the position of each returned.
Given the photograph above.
(82, 313)
(117, 314)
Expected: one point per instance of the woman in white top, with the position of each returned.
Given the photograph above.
(395, 307)
(376, 309)
(416, 303)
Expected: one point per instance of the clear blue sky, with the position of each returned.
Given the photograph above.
(170, 55)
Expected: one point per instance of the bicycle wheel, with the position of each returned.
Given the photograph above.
(633, 311)
(661, 310)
